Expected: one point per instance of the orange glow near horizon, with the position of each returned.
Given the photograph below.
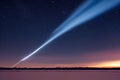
(107, 64)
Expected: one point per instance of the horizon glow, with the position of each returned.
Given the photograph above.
(114, 63)
(88, 11)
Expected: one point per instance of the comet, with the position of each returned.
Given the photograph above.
(89, 10)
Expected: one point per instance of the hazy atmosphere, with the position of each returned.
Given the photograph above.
(26, 25)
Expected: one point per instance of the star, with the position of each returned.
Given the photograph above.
(63, 12)
(52, 1)
(4, 17)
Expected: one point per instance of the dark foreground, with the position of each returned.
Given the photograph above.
(73, 68)
(60, 74)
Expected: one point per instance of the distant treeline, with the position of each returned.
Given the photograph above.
(60, 68)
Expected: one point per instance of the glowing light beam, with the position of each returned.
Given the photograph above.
(88, 11)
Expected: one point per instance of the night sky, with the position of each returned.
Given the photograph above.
(26, 24)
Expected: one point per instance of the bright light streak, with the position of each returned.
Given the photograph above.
(89, 10)
(16, 63)
(93, 11)
(37, 49)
